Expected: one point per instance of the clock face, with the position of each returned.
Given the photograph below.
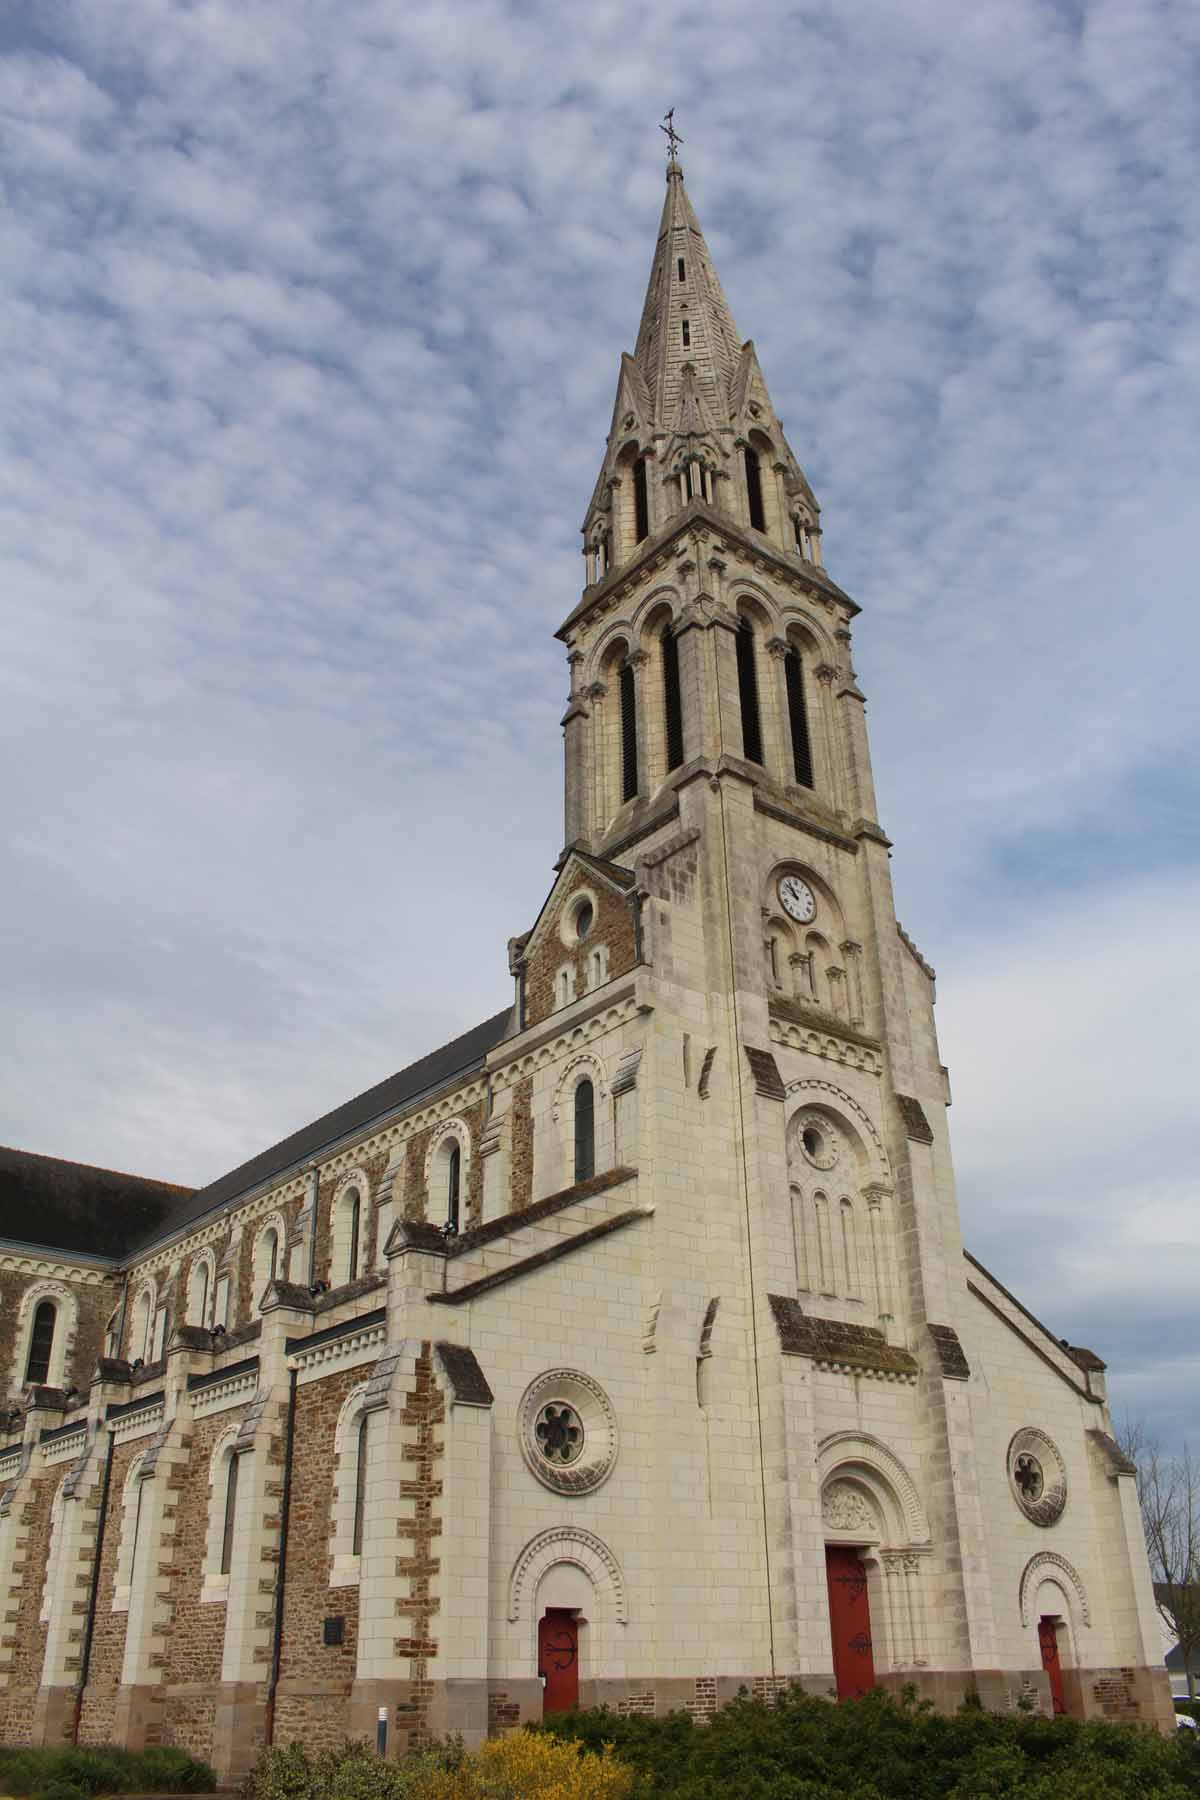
(797, 898)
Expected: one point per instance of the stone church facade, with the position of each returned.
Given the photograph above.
(626, 1348)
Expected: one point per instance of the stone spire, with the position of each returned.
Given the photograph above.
(686, 317)
(692, 421)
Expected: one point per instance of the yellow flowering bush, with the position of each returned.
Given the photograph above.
(528, 1766)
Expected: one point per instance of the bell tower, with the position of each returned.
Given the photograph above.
(715, 724)
(698, 483)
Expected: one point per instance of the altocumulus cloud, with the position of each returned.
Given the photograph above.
(308, 332)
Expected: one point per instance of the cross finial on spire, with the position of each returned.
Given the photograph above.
(673, 137)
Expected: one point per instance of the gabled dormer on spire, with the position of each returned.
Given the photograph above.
(692, 420)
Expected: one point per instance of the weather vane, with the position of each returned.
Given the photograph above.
(673, 137)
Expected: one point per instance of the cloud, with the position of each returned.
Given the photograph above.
(308, 340)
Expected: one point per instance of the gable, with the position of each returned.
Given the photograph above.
(555, 947)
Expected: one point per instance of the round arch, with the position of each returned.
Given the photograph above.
(567, 1544)
(855, 1456)
(1048, 1565)
(65, 1323)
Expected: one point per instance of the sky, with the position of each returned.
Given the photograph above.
(310, 321)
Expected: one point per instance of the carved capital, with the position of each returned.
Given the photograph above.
(595, 690)
(850, 948)
(777, 648)
(825, 672)
(636, 658)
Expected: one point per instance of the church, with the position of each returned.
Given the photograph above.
(625, 1350)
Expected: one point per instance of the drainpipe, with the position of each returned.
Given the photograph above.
(285, 1507)
(85, 1657)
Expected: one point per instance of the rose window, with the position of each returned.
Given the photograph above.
(567, 1431)
(1038, 1475)
(1027, 1473)
(559, 1434)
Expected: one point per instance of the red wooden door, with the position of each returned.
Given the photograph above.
(850, 1622)
(1048, 1639)
(558, 1659)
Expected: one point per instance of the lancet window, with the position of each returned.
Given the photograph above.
(754, 490)
(629, 744)
(585, 1130)
(802, 760)
(747, 672)
(672, 698)
(41, 1344)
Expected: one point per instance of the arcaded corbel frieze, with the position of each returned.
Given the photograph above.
(20, 1262)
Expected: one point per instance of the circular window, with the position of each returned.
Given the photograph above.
(819, 1142)
(558, 1434)
(583, 919)
(1037, 1475)
(568, 1431)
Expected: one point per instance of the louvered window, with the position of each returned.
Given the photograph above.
(629, 755)
(672, 700)
(585, 1131)
(798, 718)
(41, 1344)
(754, 493)
(641, 502)
(748, 693)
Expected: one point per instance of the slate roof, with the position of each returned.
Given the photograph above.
(408, 1085)
(61, 1205)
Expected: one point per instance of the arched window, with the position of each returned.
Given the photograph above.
(355, 1204)
(198, 1286)
(641, 501)
(850, 1249)
(585, 1131)
(672, 699)
(41, 1344)
(265, 1263)
(230, 1521)
(139, 1342)
(798, 719)
(748, 693)
(453, 1185)
(360, 1485)
(629, 750)
(754, 493)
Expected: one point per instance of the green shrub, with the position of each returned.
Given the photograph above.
(51, 1771)
(883, 1749)
(351, 1771)
(62, 1790)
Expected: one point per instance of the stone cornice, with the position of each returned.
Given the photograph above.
(64, 1265)
(819, 1036)
(594, 1014)
(788, 815)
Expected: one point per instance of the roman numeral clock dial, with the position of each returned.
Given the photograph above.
(797, 899)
